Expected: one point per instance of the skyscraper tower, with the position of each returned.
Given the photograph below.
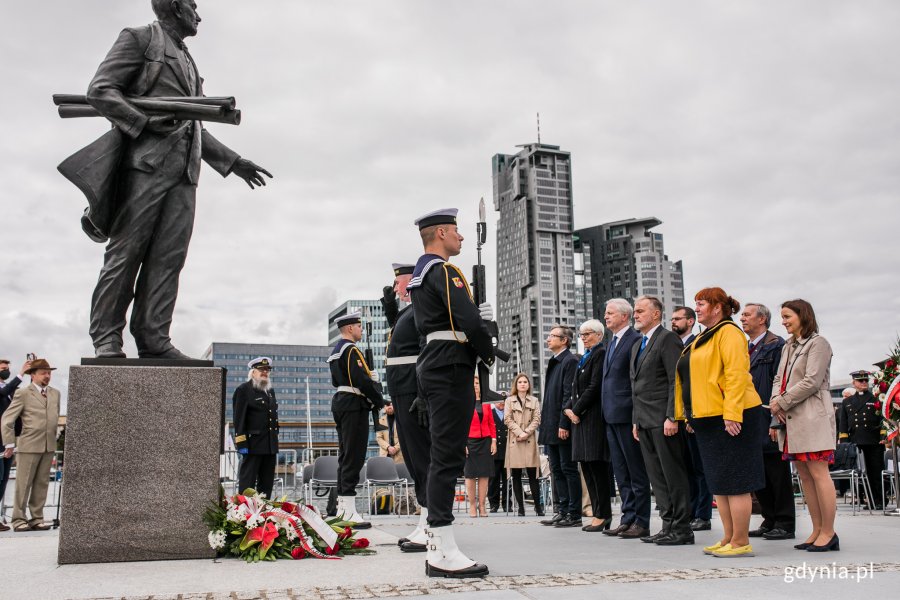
(535, 264)
(628, 260)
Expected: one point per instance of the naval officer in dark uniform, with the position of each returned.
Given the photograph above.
(455, 337)
(400, 363)
(256, 428)
(859, 422)
(357, 393)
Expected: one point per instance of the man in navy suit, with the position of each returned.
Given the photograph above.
(618, 408)
(8, 387)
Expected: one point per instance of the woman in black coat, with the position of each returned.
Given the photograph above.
(589, 445)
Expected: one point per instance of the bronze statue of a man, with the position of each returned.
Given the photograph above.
(151, 207)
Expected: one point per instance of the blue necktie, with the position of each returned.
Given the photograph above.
(612, 348)
(641, 349)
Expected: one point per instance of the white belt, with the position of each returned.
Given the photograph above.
(452, 336)
(400, 360)
(350, 390)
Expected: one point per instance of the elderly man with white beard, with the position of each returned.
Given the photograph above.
(256, 428)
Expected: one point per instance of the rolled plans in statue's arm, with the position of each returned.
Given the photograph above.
(226, 102)
(176, 110)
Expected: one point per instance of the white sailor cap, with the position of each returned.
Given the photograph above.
(403, 269)
(261, 362)
(348, 319)
(444, 216)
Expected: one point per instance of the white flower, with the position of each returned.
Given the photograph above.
(217, 539)
(237, 513)
(289, 531)
(255, 520)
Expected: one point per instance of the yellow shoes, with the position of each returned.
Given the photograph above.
(714, 547)
(727, 551)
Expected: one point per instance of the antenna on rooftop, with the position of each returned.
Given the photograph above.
(539, 127)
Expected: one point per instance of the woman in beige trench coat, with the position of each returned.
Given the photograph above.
(523, 415)
(801, 401)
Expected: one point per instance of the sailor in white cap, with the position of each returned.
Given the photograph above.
(400, 366)
(456, 337)
(357, 393)
(256, 428)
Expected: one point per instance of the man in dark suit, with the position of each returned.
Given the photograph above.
(555, 426)
(683, 320)
(618, 409)
(8, 387)
(776, 500)
(498, 492)
(256, 428)
(151, 228)
(859, 422)
(661, 438)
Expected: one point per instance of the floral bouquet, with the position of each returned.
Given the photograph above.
(886, 388)
(254, 528)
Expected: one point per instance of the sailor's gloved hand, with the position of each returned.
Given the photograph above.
(487, 311)
(419, 410)
(243, 450)
(388, 293)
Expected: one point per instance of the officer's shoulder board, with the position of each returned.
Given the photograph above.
(339, 349)
(424, 264)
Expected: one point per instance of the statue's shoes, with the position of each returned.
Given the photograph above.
(109, 351)
(171, 354)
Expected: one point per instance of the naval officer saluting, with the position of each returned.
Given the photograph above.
(456, 336)
(256, 428)
(415, 439)
(357, 393)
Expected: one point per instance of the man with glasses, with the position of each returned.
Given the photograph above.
(555, 426)
(256, 428)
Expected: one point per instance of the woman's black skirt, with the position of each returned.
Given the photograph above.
(733, 465)
(479, 462)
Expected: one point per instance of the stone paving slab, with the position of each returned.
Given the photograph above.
(526, 561)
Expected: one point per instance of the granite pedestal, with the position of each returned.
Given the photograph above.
(141, 462)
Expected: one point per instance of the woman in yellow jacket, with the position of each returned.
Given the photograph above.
(715, 393)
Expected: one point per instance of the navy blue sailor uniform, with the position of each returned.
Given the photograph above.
(357, 393)
(860, 422)
(256, 430)
(456, 336)
(402, 353)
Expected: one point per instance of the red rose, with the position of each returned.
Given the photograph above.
(883, 386)
(346, 535)
(288, 507)
(298, 553)
(889, 364)
(877, 405)
(360, 543)
(331, 551)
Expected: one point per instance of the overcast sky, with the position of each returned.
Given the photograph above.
(765, 135)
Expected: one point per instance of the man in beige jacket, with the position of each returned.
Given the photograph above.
(38, 405)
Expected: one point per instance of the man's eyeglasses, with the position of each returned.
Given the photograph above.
(556, 335)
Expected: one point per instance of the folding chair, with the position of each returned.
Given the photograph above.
(324, 475)
(855, 475)
(381, 471)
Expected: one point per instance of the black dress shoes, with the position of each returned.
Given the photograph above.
(777, 533)
(634, 532)
(617, 530)
(413, 547)
(553, 520)
(759, 532)
(649, 539)
(569, 521)
(539, 511)
(701, 525)
(675, 539)
(604, 526)
(834, 544)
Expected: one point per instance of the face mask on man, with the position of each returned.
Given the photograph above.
(4, 374)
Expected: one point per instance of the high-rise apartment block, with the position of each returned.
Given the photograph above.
(627, 260)
(535, 262)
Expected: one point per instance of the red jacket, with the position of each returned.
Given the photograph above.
(485, 427)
